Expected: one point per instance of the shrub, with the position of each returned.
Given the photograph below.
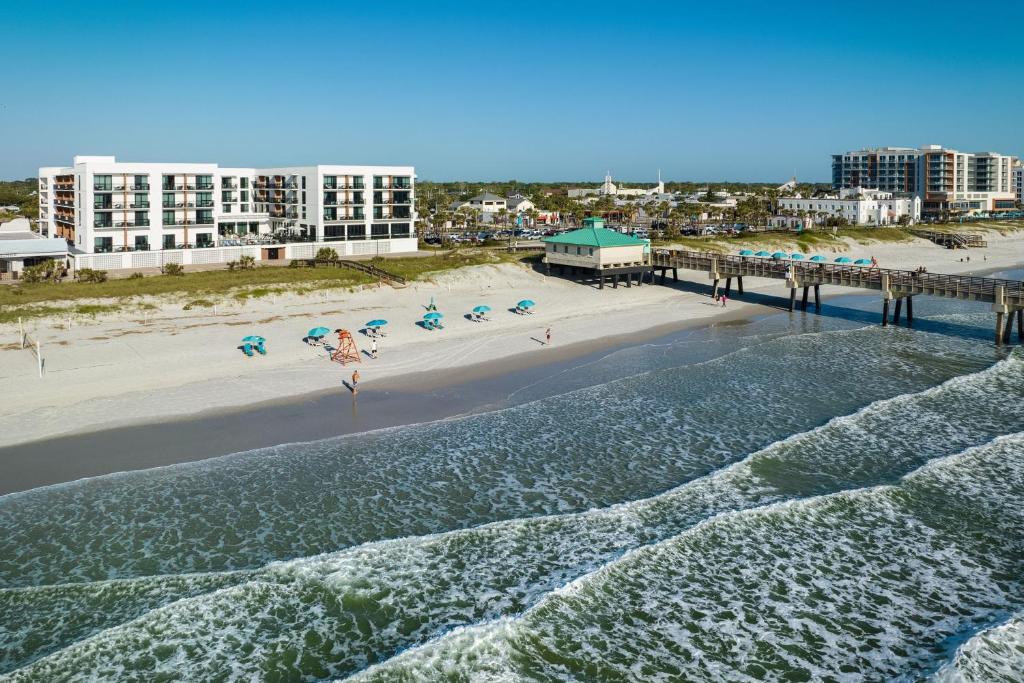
(172, 269)
(248, 262)
(232, 265)
(90, 275)
(198, 303)
(136, 276)
(326, 255)
(47, 271)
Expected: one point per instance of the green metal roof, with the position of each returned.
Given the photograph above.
(596, 237)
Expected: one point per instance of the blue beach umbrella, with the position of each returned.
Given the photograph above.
(525, 303)
(780, 255)
(746, 252)
(844, 259)
(317, 332)
(481, 309)
(818, 259)
(253, 339)
(377, 323)
(433, 315)
(797, 257)
(862, 262)
(762, 254)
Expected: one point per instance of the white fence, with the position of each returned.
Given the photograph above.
(131, 260)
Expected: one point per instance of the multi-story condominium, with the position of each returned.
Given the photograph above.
(945, 180)
(1018, 181)
(101, 205)
(856, 205)
(888, 169)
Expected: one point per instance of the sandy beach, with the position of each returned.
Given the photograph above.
(114, 370)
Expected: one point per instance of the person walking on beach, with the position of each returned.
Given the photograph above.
(724, 299)
(874, 262)
(355, 381)
(373, 348)
(547, 337)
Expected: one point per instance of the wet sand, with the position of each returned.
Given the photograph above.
(401, 400)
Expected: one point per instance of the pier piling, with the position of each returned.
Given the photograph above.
(885, 312)
(817, 298)
(728, 285)
(1008, 330)
(910, 311)
(803, 303)
(739, 284)
(1020, 324)
(999, 328)
(792, 298)
(714, 289)
(896, 312)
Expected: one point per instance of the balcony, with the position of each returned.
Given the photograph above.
(142, 186)
(228, 185)
(108, 207)
(102, 188)
(205, 204)
(204, 186)
(132, 224)
(102, 224)
(139, 205)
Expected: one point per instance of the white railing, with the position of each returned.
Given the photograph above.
(129, 260)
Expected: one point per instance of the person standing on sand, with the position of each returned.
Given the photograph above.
(355, 381)
(547, 336)
(373, 348)
(724, 299)
(874, 262)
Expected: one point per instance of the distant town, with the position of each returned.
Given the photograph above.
(101, 213)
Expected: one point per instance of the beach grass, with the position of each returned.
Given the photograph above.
(203, 289)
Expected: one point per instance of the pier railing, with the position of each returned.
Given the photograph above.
(804, 273)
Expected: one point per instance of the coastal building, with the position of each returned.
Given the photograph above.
(517, 203)
(488, 202)
(610, 189)
(946, 180)
(100, 205)
(595, 252)
(18, 254)
(857, 206)
(1018, 182)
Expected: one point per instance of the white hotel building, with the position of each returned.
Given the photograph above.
(857, 206)
(100, 205)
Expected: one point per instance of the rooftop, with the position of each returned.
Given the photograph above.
(596, 237)
(53, 246)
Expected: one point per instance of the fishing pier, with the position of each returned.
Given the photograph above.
(896, 286)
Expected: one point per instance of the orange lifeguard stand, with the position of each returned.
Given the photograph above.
(346, 351)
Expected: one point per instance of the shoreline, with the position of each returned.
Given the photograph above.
(294, 394)
(391, 402)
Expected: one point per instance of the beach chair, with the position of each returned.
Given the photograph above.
(261, 348)
(247, 349)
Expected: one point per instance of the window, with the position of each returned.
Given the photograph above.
(244, 182)
(379, 231)
(141, 218)
(245, 195)
(334, 232)
(103, 245)
(226, 229)
(168, 200)
(357, 232)
(591, 250)
(141, 243)
(141, 183)
(168, 182)
(204, 217)
(399, 230)
(303, 187)
(254, 228)
(227, 208)
(168, 241)
(204, 182)
(168, 218)
(244, 208)
(578, 251)
(102, 183)
(141, 201)
(204, 239)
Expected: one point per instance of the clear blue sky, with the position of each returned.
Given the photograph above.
(483, 91)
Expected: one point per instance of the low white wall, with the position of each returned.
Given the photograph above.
(132, 260)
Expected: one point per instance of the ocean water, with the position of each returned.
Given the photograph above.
(795, 498)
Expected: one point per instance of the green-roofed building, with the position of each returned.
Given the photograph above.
(595, 253)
